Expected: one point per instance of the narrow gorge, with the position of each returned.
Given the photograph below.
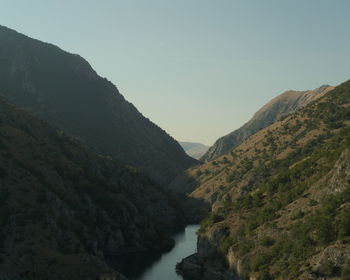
(157, 140)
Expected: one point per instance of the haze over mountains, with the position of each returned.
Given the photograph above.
(286, 103)
(64, 90)
(195, 150)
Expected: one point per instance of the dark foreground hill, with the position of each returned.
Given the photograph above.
(64, 90)
(65, 209)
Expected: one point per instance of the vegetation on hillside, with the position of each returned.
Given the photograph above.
(64, 208)
(285, 103)
(283, 197)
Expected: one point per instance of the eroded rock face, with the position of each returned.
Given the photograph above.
(234, 262)
(341, 175)
(206, 263)
(284, 104)
(209, 242)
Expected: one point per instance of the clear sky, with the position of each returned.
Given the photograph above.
(197, 68)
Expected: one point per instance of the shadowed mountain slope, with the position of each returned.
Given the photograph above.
(64, 90)
(64, 209)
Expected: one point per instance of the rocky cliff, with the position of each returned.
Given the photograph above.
(64, 90)
(65, 209)
(286, 103)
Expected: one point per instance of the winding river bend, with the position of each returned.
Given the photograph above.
(163, 266)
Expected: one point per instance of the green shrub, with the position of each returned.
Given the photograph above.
(267, 241)
(328, 268)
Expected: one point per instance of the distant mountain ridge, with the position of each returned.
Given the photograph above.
(284, 104)
(195, 150)
(64, 90)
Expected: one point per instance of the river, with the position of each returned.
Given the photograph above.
(163, 266)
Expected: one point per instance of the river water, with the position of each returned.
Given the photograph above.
(163, 267)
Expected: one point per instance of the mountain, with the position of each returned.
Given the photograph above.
(280, 200)
(65, 209)
(195, 150)
(286, 103)
(64, 90)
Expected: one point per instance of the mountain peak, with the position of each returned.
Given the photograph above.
(288, 102)
(63, 89)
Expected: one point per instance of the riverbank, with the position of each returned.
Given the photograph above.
(192, 267)
(148, 266)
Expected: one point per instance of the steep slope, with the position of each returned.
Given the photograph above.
(195, 150)
(64, 90)
(286, 103)
(281, 199)
(64, 209)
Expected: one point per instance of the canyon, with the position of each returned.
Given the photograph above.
(88, 182)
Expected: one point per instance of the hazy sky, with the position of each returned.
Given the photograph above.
(197, 68)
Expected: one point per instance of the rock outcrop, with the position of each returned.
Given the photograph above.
(207, 263)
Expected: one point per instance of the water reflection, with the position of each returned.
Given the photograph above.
(157, 267)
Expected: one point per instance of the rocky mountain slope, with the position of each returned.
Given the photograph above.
(286, 103)
(65, 209)
(195, 150)
(280, 200)
(64, 90)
